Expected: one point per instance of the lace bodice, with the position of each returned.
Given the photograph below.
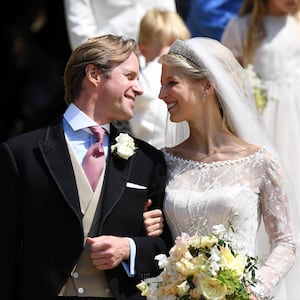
(243, 191)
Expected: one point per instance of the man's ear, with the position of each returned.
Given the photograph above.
(92, 73)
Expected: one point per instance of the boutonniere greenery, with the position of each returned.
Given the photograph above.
(124, 146)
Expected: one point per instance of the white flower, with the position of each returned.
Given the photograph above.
(218, 229)
(162, 260)
(124, 147)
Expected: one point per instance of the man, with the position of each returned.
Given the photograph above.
(64, 238)
(85, 19)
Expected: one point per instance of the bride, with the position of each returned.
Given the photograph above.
(225, 168)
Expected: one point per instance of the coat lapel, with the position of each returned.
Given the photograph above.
(116, 177)
(55, 153)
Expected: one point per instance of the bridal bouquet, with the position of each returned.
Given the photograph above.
(202, 267)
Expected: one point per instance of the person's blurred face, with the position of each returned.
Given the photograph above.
(181, 95)
(281, 7)
(118, 92)
(151, 50)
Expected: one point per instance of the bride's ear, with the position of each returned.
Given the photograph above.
(207, 89)
(207, 85)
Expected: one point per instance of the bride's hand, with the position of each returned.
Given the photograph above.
(153, 220)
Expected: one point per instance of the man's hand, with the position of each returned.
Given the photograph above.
(108, 251)
(153, 220)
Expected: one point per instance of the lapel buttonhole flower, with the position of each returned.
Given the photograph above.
(124, 147)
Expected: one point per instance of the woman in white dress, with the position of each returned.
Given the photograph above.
(267, 36)
(225, 170)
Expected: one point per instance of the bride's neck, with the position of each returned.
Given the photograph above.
(210, 135)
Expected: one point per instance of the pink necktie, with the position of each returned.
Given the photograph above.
(93, 161)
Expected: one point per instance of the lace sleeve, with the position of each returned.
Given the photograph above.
(276, 216)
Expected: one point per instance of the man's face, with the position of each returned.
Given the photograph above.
(118, 92)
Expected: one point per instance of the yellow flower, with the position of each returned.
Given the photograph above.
(212, 288)
(199, 260)
(185, 267)
(229, 261)
(208, 241)
(144, 287)
(182, 288)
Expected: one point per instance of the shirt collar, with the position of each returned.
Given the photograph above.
(78, 120)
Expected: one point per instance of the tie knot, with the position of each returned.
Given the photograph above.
(98, 132)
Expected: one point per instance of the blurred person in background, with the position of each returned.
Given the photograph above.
(182, 7)
(158, 30)
(88, 18)
(266, 36)
(207, 18)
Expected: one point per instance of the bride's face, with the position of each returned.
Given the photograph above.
(181, 95)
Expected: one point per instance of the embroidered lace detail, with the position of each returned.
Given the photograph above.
(211, 164)
(240, 190)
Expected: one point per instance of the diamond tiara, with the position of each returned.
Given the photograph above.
(181, 48)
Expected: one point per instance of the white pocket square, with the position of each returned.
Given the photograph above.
(135, 186)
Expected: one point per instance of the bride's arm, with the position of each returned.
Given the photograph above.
(153, 220)
(276, 216)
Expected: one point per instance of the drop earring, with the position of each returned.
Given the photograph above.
(203, 97)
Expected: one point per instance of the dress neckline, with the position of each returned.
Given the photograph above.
(213, 163)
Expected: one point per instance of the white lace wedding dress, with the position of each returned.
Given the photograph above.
(277, 62)
(242, 191)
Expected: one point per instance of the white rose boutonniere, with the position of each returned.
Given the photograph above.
(124, 147)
